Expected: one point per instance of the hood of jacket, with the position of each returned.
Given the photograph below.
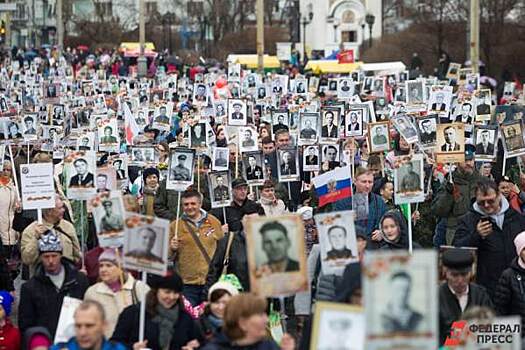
(402, 241)
(499, 217)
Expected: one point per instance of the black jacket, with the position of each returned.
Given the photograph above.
(496, 251)
(40, 301)
(221, 342)
(127, 329)
(509, 298)
(234, 214)
(238, 262)
(450, 311)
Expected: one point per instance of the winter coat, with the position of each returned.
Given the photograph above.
(41, 302)
(10, 338)
(234, 214)
(376, 209)
(402, 242)
(127, 329)
(72, 344)
(454, 200)
(496, 251)
(113, 303)
(221, 342)
(449, 309)
(7, 214)
(238, 262)
(509, 298)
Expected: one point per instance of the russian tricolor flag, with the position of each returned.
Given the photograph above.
(333, 185)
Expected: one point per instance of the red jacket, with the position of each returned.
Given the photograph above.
(9, 337)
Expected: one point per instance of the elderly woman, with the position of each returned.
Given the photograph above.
(167, 326)
(245, 324)
(116, 290)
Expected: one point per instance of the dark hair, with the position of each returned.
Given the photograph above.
(485, 185)
(152, 302)
(268, 184)
(336, 227)
(80, 160)
(273, 225)
(331, 147)
(191, 193)
(401, 274)
(217, 294)
(266, 140)
(28, 118)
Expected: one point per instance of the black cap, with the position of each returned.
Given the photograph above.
(171, 282)
(182, 157)
(458, 259)
(239, 182)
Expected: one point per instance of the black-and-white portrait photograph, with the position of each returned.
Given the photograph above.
(400, 94)
(408, 180)
(427, 128)
(405, 127)
(345, 88)
(337, 240)
(342, 324)
(483, 102)
(279, 85)
(180, 168)
(106, 179)
(330, 154)
(253, 165)
(162, 116)
(300, 86)
(220, 188)
(414, 92)
(311, 159)
(237, 112)
(248, 139)
(287, 164)
(463, 113)
(141, 155)
(513, 142)
(108, 215)
(440, 99)
(198, 135)
(262, 91)
(220, 109)
(485, 140)
(220, 158)
(251, 81)
(108, 136)
(309, 128)
(379, 137)
(330, 124)
(401, 299)
(99, 104)
(280, 121)
(146, 244)
(332, 86)
(86, 142)
(354, 122)
(378, 87)
(234, 72)
(275, 246)
(28, 126)
(80, 168)
(200, 94)
(120, 164)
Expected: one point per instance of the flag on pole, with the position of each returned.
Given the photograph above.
(333, 186)
(130, 125)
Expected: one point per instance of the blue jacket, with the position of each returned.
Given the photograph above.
(73, 345)
(376, 209)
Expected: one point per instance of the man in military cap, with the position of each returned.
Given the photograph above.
(110, 221)
(458, 294)
(237, 114)
(180, 172)
(220, 192)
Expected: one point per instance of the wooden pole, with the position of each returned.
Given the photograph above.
(260, 36)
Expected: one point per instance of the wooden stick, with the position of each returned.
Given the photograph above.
(410, 245)
(198, 173)
(142, 318)
(121, 275)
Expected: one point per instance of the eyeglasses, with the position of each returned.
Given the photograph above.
(485, 202)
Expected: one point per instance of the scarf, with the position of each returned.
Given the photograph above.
(215, 322)
(166, 319)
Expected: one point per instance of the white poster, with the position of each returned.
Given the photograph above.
(284, 51)
(38, 187)
(66, 322)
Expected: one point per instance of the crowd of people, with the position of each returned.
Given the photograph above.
(213, 151)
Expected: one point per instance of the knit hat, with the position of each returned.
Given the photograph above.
(39, 340)
(171, 282)
(6, 300)
(49, 242)
(519, 242)
(223, 285)
(110, 255)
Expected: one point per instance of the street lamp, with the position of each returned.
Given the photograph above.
(335, 24)
(370, 19)
(305, 21)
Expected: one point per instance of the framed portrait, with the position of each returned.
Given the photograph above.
(106, 179)
(512, 136)
(253, 166)
(427, 128)
(486, 140)
(415, 93)
(332, 86)
(80, 169)
(409, 180)
(108, 135)
(405, 127)
(311, 158)
(162, 116)
(453, 71)
(220, 110)
(234, 72)
(396, 283)
(200, 94)
(463, 113)
(440, 99)
(248, 139)
(99, 104)
(142, 117)
(354, 122)
(108, 214)
(237, 112)
(280, 121)
(180, 168)
(330, 154)
(120, 164)
(330, 125)
(368, 83)
(483, 102)
(146, 243)
(345, 88)
(279, 85)
(251, 81)
(337, 322)
(142, 155)
(337, 240)
(262, 91)
(313, 84)
(29, 126)
(378, 137)
(463, 73)
(450, 146)
(309, 128)
(220, 158)
(276, 255)
(198, 135)
(220, 188)
(287, 164)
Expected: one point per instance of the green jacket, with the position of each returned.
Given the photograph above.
(165, 205)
